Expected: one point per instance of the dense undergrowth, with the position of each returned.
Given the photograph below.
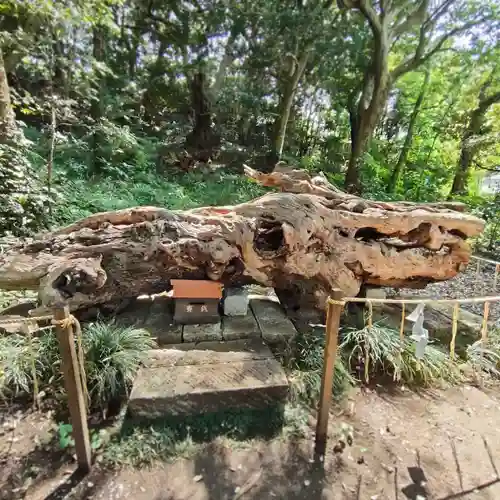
(175, 191)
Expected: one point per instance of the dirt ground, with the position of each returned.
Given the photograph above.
(437, 445)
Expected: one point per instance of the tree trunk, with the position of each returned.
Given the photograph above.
(467, 150)
(8, 127)
(286, 102)
(225, 63)
(400, 165)
(202, 142)
(366, 115)
(97, 108)
(305, 240)
(50, 161)
(149, 100)
(59, 77)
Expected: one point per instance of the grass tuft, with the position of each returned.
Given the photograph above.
(306, 369)
(16, 372)
(485, 357)
(112, 356)
(389, 355)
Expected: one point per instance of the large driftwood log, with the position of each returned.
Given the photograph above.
(305, 240)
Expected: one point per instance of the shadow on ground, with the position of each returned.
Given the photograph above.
(289, 475)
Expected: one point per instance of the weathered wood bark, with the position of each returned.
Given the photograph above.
(306, 240)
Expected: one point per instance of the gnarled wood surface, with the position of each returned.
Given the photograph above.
(305, 240)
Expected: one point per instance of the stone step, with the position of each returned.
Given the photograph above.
(208, 377)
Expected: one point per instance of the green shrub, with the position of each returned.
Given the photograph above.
(486, 357)
(175, 192)
(436, 366)
(23, 200)
(112, 356)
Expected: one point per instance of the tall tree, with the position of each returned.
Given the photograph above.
(97, 106)
(470, 143)
(427, 27)
(302, 34)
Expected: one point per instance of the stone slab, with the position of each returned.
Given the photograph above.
(207, 353)
(240, 327)
(272, 320)
(192, 389)
(202, 333)
(159, 322)
(235, 302)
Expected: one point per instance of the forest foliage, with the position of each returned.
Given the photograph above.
(112, 103)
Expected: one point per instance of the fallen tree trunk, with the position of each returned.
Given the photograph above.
(303, 241)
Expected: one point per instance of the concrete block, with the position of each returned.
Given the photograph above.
(202, 333)
(236, 302)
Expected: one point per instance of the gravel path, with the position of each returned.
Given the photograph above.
(467, 284)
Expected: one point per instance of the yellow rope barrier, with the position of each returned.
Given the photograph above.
(454, 329)
(475, 300)
(27, 328)
(66, 323)
(482, 259)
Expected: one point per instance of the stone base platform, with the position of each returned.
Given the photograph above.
(266, 319)
(189, 379)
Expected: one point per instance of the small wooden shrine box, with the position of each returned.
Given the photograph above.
(196, 301)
